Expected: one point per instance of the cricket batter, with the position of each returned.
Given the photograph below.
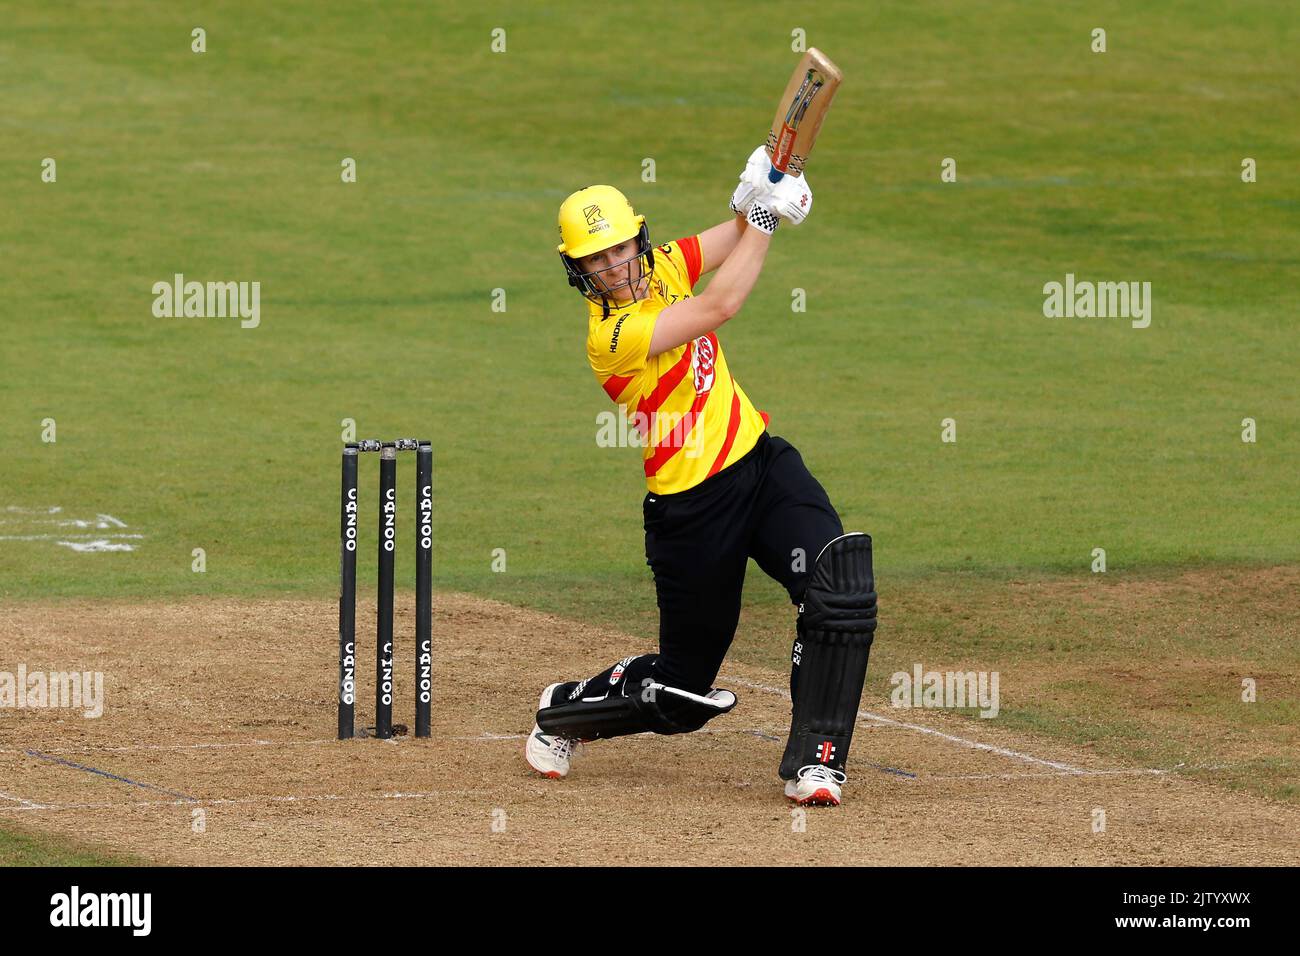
(720, 491)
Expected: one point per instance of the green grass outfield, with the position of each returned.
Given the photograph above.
(924, 298)
(20, 848)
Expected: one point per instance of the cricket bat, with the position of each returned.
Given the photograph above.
(800, 113)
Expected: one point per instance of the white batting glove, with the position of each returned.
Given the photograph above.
(753, 181)
(791, 199)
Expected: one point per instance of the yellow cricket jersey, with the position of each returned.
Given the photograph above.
(692, 417)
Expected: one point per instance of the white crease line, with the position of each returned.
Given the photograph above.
(1176, 768)
(974, 744)
(27, 804)
(137, 747)
(1052, 773)
(229, 801)
(290, 798)
(102, 522)
(61, 537)
(222, 745)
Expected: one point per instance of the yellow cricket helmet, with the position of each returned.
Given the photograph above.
(595, 218)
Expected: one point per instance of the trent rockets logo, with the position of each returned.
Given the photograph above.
(825, 751)
(702, 359)
(595, 221)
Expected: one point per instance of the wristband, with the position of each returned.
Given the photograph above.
(762, 218)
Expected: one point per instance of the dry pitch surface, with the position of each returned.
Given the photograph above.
(216, 747)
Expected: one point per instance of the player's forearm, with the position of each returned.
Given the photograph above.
(690, 318)
(737, 276)
(717, 242)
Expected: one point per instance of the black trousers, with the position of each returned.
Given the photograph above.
(766, 506)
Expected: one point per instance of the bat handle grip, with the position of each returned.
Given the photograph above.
(775, 175)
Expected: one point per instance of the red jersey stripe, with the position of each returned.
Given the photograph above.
(664, 453)
(615, 384)
(668, 383)
(733, 426)
(694, 257)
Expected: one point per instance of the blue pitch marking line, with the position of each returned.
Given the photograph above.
(901, 773)
(111, 776)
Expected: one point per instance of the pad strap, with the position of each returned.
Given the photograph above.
(652, 707)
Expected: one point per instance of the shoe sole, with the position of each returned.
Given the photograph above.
(818, 798)
(549, 774)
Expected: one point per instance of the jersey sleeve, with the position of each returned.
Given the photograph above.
(687, 256)
(620, 345)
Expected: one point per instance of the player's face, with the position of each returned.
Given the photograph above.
(616, 269)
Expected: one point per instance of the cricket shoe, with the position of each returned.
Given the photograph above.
(815, 786)
(546, 753)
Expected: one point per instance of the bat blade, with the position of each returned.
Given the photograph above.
(800, 112)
